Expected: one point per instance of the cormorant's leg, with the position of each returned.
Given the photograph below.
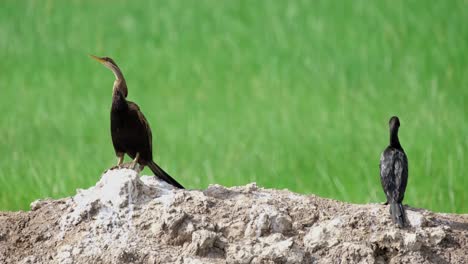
(135, 161)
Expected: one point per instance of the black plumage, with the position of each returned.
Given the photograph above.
(130, 131)
(394, 174)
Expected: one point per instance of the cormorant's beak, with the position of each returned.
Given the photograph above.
(101, 60)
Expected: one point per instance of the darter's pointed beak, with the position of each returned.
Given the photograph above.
(101, 60)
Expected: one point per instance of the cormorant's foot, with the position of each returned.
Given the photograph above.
(385, 203)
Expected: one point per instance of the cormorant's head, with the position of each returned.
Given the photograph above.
(394, 123)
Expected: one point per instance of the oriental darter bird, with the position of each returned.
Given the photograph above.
(394, 174)
(130, 131)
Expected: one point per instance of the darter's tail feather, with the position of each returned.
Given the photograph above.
(398, 214)
(161, 174)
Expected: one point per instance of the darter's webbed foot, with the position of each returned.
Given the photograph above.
(113, 168)
(128, 165)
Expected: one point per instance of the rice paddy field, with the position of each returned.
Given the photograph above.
(289, 94)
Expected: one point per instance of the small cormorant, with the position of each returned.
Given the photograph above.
(130, 131)
(394, 174)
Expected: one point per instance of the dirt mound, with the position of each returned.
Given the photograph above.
(131, 219)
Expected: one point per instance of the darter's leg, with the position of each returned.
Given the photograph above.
(135, 161)
(120, 158)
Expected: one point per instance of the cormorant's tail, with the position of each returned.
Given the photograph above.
(161, 174)
(398, 214)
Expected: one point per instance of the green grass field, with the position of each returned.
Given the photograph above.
(290, 94)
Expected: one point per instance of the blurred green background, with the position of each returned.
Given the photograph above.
(290, 94)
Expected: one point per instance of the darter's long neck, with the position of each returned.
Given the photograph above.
(119, 93)
(119, 84)
(394, 141)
